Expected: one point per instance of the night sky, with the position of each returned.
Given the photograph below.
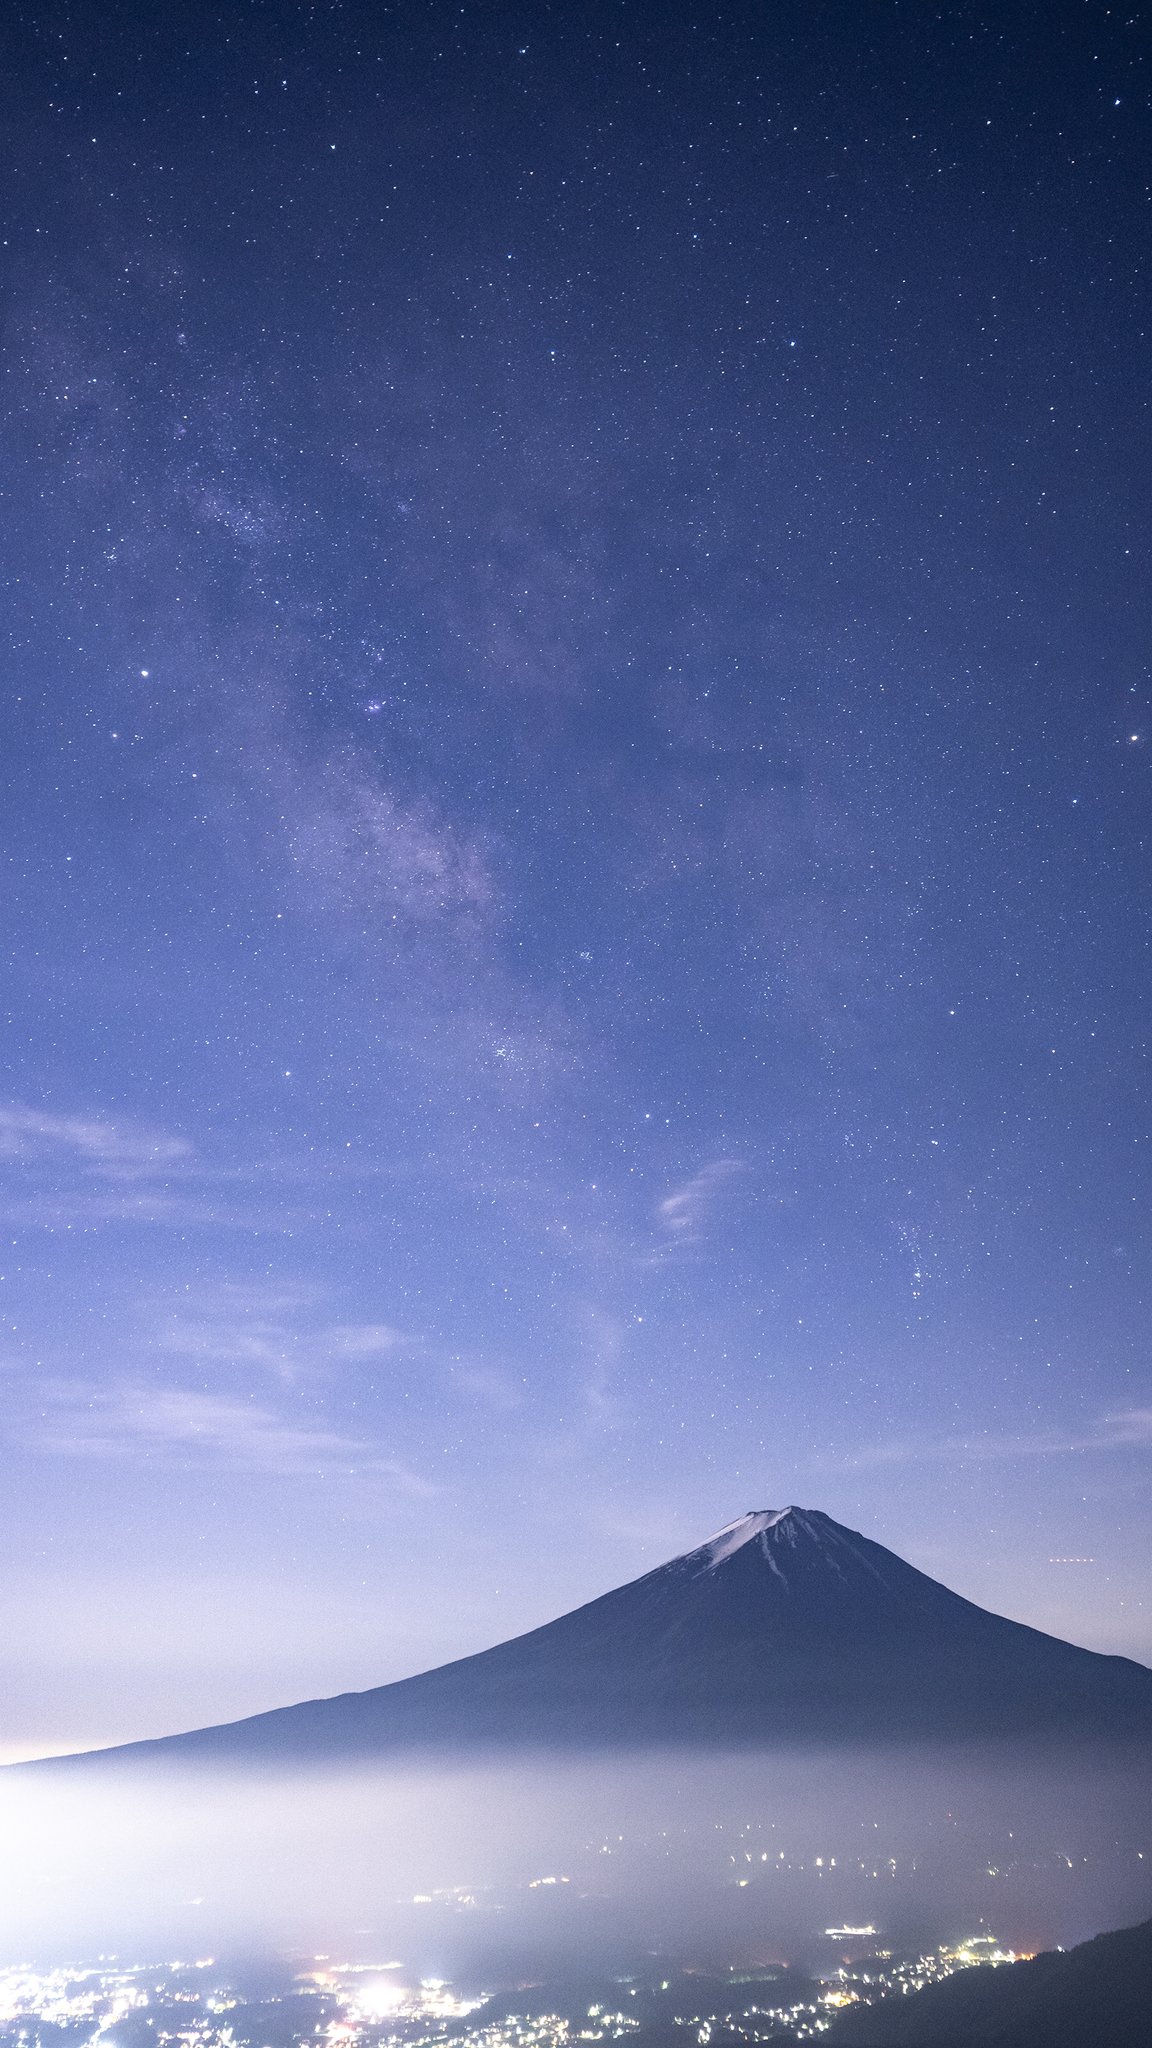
(575, 753)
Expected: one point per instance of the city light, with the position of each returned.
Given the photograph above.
(381, 2005)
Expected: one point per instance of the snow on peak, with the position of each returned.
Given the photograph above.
(735, 1535)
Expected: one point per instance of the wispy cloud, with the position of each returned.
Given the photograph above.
(116, 1149)
(498, 1391)
(275, 1345)
(254, 1297)
(89, 1203)
(362, 1340)
(1128, 1426)
(185, 1425)
(1124, 1428)
(683, 1212)
(80, 1171)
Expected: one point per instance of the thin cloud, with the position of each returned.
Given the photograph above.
(491, 1389)
(263, 1298)
(91, 1207)
(1129, 1428)
(361, 1340)
(278, 1347)
(34, 1135)
(80, 1172)
(184, 1425)
(683, 1212)
(231, 1344)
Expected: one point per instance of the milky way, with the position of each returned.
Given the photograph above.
(575, 896)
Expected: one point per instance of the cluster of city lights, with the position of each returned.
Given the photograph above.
(381, 2005)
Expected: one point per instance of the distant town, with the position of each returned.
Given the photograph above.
(323, 2002)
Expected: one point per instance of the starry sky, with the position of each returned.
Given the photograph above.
(575, 753)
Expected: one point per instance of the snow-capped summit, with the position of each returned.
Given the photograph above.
(734, 1535)
(783, 1628)
(778, 1531)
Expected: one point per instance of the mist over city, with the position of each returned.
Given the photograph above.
(551, 1864)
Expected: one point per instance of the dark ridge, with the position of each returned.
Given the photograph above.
(1096, 1996)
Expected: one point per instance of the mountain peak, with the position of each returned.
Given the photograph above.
(783, 1627)
(734, 1535)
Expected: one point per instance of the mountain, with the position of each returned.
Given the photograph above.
(1096, 1996)
(784, 1627)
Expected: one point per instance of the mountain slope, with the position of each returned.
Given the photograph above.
(783, 1627)
(1099, 1993)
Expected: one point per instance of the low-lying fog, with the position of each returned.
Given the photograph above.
(720, 1858)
